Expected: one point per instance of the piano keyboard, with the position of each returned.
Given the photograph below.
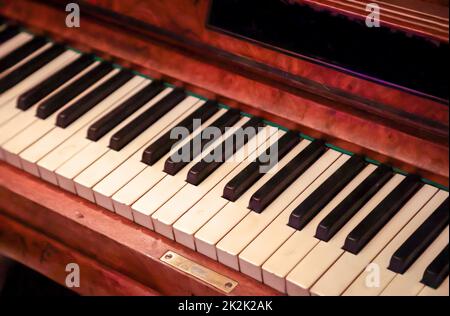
(321, 222)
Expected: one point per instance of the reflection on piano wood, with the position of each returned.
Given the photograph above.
(99, 184)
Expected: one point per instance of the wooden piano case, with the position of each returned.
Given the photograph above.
(45, 228)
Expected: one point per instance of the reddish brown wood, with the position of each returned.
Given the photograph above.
(379, 135)
(50, 257)
(187, 18)
(63, 227)
(122, 258)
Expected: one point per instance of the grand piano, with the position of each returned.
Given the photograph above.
(353, 95)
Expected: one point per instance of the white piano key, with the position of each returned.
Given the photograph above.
(14, 43)
(149, 177)
(301, 243)
(144, 208)
(165, 217)
(186, 226)
(324, 254)
(256, 253)
(9, 111)
(360, 286)
(58, 135)
(66, 173)
(408, 284)
(227, 217)
(123, 174)
(217, 227)
(18, 120)
(112, 159)
(8, 99)
(247, 230)
(442, 290)
(75, 143)
(36, 128)
(19, 64)
(347, 268)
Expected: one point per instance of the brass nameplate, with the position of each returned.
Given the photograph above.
(200, 272)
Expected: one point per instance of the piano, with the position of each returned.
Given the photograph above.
(350, 97)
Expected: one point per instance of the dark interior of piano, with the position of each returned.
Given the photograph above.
(224, 148)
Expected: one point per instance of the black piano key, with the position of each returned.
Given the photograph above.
(40, 91)
(31, 66)
(8, 33)
(346, 209)
(163, 145)
(317, 200)
(21, 52)
(90, 100)
(419, 241)
(62, 97)
(288, 174)
(381, 214)
(437, 271)
(172, 165)
(205, 167)
(247, 177)
(124, 110)
(146, 119)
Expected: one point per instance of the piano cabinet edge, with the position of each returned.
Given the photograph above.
(51, 258)
(41, 225)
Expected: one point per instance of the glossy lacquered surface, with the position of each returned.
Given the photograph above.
(71, 226)
(394, 127)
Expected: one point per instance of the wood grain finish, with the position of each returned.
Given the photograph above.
(186, 18)
(45, 228)
(50, 257)
(407, 131)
